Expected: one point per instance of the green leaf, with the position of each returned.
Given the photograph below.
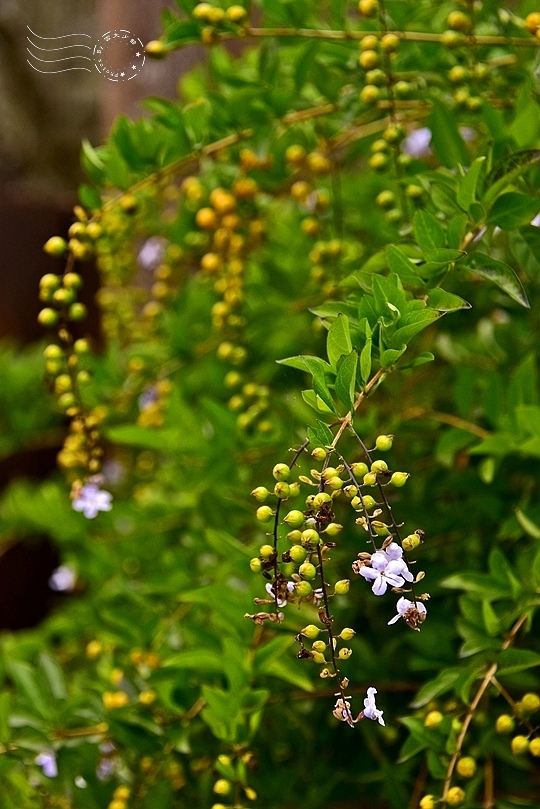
(403, 267)
(442, 683)
(200, 659)
(392, 355)
(501, 274)
(446, 301)
(444, 255)
(428, 232)
(365, 360)
(446, 141)
(456, 230)
(512, 210)
(467, 193)
(196, 119)
(505, 172)
(491, 621)
(474, 639)
(26, 682)
(417, 322)
(512, 660)
(421, 359)
(528, 525)
(320, 435)
(346, 379)
(55, 676)
(316, 367)
(479, 585)
(339, 340)
(5, 713)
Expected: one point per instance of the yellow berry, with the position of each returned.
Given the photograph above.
(389, 43)
(427, 802)
(530, 703)
(532, 22)
(466, 767)
(236, 13)
(534, 747)
(93, 649)
(295, 154)
(368, 60)
(147, 697)
(55, 246)
(368, 8)
(458, 21)
(202, 12)
(121, 793)
(222, 787)
(519, 745)
(455, 796)
(433, 719)
(505, 723)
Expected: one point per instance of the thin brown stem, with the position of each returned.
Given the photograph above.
(489, 797)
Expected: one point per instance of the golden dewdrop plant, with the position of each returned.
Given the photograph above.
(298, 481)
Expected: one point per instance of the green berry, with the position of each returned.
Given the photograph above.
(333, 529)
(294, 489)
(64, 297)
(384, 442)
(399, 479)
(264, 514)
(377, 77)
(380, 528)
(307, 570)
(295, 536)
(294, 519)
(370, 479)
(359, 470)
(310, 536)
(81, 346)
(319, 646)
(282, 489)
(48, 318)
(261, 493)
(72, 280)
(334, 483)
(281, 471)
(342, 587)
(369, 501)
(77, 312)
(385, 199)
(66, 400)
(303, 589)
(411, 542)
(321, 499)
(298, 554)
(379, 467)
(53, 352)
(319, 454)
(55, 247)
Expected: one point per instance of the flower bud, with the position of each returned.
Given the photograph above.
(342, 587)
(370, 479)
(384, 442)
(307, 570)
(530, 703)
(294, 519)
(318, 646)
(297, 554)
(303, 589)
(333, 529)
(321, 499)
(379, 466)
(466, 767)
(319, 454)
(505, 723)
(347, 633)
(264, 514)
(519, 745)
(255, 565)
(282, 490)
(310, 631)
(433, 720)
(359, 470)
(455, 796)
(427, 802)
(281, 471)
(266, 551)
(399, 479)
(534, 747)
(260, 493)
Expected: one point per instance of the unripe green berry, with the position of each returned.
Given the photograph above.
(393, 133)
(264, 514)
(266, 551)
(370, 94)
(319, 646)
(379, 466)
(455, 796)
(83, 377)
(295, 536)
(386, 199)
(81, 346)
(319, 454)
(519, 745)
(530, 703)
(310, 631)
(321, 499)
(369, 501)
(294, 489)
(281, 471)
(66, 400)
(256, 565)
(261, 493)
(48, 318)
(433, 720)
(310, 536)
(399, 479)
(53, 352)
(466, 767)
(282, 489)
(350, 491)
(307, 570)
(77, 312)
(333, 529)
(303, 589)
(359, 470)
(380, 528)
(384, 442)
(370, 479)
(64, 297)
(297, 554)
(329, 472)
(72, 280)
(377, 77)
(294, 519)
(55, 247)
(335, 483)
(347, 633)
(402, 89)
(344, 653)
(341, 587)
(50, 282)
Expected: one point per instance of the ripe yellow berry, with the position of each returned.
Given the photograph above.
(455, 796)
(389, 43)
(121, 793)
(245, 188)
(300, 191)
(318, 163)
(534, 747)
(156, 49)
(466, 767)
(427, 802)
(222, 787)
(129, 203)
(117, 805)
(368, 8)
(93, 649)
(48, 318)
(369, 43)
(222, 201)
(505, 723)
(206, 219)
(310, 226)
(378, 161)
(530, 703)
(458, 21)
(368, 60)
(370, 94)
(519, 745)
(55, 246)
(236, 13)
(210, 263)
(202, 11)
(147, 697)
(433, 719)
(295, 154)
(532, 22)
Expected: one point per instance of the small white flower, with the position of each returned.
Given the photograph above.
(417, 143)
(413, 613)
(63, 579)
(387, 569)
(280, 602)
(47, 762)
(151, 253)
(91, 500)
(370, 709)
(318, 596)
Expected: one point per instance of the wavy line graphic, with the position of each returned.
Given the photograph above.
(51, 51)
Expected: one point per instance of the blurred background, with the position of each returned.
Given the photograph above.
(43, 119)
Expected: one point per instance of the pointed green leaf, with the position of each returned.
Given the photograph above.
(428, 232)
(512, 210)
(506, 170)
(446, 301)
(346, 379)
(392, 355)
(446, 140)
(320, 435)
(339, 340)
(467, 193)
(421, 359)
(365, 361)
(501, 274)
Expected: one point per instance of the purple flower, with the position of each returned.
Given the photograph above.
(63, 579)
(151, 253)
(370, 709)
(47, 762)
(91, 500)
(387, 569)
(417, 143)
(412, 612)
